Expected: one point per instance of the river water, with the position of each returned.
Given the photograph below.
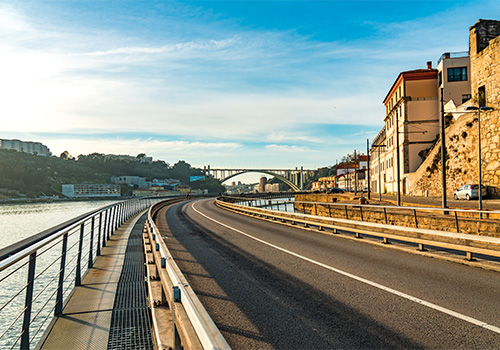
(19, 221)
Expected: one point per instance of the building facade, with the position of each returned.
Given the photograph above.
(91, 190)
(26, 146)
(411, 127)
(454, 81)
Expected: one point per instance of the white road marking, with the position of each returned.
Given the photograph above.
(363, 280)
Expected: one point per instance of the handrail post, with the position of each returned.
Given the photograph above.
(456, 221)
(60, 286)
(78, 279)
(104, 232)
(115, 218)
(108, 224)
(25, 337)
(91, 246)
(98, 252)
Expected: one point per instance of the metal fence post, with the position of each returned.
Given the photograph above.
(91, 246)
(60, 286)
(104, 232)
(108, 224)
(25, 337)
(113, 222)
(98, 252)
(78, 279)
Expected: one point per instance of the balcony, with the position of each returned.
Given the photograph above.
(453, 55)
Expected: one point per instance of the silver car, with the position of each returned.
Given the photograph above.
(469, 192)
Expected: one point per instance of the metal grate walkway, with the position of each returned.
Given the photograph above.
(109, 310)
(130, 320)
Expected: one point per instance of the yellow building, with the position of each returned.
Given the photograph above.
(411, 126)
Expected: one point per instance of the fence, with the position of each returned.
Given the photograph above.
(345, 220)
(179, 319)
(37, 275)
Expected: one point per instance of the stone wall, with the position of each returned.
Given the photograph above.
(485, 72)
(398, 216)
(461, 164)
(462, 137)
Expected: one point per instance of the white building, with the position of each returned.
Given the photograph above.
(91, 190)
(26, 146)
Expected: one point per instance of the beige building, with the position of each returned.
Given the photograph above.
(411, 127)
(454, 81)
(414, 106)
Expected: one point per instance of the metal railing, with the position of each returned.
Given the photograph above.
(354, 219)
(173, 301)
(38, 274)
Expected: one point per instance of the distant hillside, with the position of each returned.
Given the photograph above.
(30, 175)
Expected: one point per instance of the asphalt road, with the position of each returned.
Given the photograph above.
(270, 286)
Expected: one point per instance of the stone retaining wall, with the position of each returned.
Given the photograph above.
(394, 216)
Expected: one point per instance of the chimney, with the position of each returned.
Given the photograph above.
(429, 64)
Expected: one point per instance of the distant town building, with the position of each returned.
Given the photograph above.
(272, 187)
(155, 192)
(130, 180)
(262, 184)
(165, 182)
(128, 158)
(26, 146)
(90, 190)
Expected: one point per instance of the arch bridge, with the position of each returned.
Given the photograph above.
(294, 178)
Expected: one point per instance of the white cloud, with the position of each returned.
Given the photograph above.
(287, 148)
(167, 149)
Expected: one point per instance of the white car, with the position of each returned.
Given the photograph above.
(469, 192)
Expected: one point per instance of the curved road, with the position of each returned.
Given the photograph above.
(270, 286)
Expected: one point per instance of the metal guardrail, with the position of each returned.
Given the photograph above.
(468, 243)
(45, 268)
(173, 301)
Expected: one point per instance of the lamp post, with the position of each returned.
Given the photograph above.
(479, 109)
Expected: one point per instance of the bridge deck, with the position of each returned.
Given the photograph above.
(94, 316)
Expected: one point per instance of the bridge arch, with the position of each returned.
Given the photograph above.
(278, 176)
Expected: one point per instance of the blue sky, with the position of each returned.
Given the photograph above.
(249, 84)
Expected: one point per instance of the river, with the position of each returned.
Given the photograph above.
(17, 222)
(21, 220)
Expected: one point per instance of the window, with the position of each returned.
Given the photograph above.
(466, 97)
(457, 74)
(481, 96)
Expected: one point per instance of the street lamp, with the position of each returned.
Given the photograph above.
(479, 109)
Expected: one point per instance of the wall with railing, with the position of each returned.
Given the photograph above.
(38, 274)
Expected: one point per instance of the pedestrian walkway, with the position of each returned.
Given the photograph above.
(109, 310)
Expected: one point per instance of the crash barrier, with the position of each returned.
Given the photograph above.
(38, 274)
(179, 319)
(468, 243)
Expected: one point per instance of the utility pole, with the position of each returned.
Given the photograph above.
(355, 173)
(368, 179)
(398, 172)
(443, 154)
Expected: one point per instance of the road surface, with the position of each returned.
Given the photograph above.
(270, 286)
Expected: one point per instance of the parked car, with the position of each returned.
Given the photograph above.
(469, 192)
(335, 190)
